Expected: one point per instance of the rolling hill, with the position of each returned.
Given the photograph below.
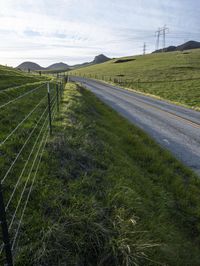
(60, 66)
(185, 46)
(173, 76)
(12, 77)
(100, 59)
(97, 60)
(25, 66)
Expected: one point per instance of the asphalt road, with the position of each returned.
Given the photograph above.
(174, 127)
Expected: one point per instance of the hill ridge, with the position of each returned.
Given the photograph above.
(27, 65)
(189, 45)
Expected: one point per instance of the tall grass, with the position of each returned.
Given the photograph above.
(107, 194)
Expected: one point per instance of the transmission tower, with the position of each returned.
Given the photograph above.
(158, 33)
(144, 49)
(161, 32)
(164, 31)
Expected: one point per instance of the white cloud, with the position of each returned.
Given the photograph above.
(49, 30)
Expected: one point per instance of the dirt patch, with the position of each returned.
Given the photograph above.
(123, 61)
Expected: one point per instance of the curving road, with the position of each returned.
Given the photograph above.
(174, 127)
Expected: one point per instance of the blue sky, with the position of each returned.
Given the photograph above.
(74, 31)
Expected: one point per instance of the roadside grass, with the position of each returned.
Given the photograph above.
(173, 76)
(107, 194)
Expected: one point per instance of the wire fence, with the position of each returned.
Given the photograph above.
(124, 80)
(26, 123)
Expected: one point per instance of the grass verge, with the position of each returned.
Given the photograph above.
(108, 195)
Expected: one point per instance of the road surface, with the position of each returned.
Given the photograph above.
(174, 127)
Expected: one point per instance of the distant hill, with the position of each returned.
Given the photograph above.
(60, 66)
(97, 60)
(186, 46)
(30, 65)
(100, 59)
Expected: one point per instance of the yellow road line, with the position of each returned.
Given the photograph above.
(187, 121)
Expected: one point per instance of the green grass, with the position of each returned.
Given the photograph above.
(107, 194)
(15, 84)
(172, 76)
(10, 77)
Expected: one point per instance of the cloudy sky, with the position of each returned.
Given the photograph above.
(74, 31)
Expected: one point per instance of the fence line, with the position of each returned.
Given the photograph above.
(29, 175)
(124, 79)
(21, 96)
(33, 159)
(27, 161)
(29, 193)
(21, 86)
(19, 153)
(29, 114)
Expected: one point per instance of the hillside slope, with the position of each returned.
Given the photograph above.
(100, 59)
(173, 76)
(10, 77)
(25, 66)
(60, 66)
(183, 47)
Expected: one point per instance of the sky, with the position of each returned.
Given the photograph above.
(74, 31)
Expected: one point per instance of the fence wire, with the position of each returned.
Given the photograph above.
(17, 196)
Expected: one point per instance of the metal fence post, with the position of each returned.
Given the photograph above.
(49, 107)
(60, 91)
(62, 87)
(4, 227)
(57, 96)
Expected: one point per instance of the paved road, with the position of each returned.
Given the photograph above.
(175, 128)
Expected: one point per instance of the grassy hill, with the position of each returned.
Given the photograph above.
(173, 76)
(11, 77)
